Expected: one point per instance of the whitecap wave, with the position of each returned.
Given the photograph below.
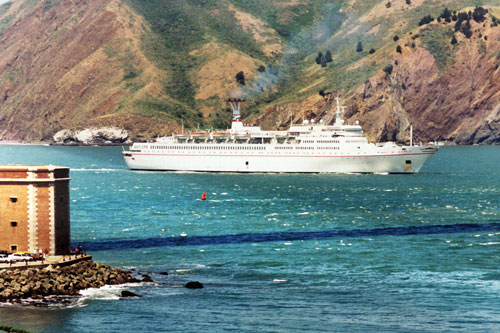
(106, 293)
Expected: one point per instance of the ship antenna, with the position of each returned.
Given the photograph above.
(411, 135)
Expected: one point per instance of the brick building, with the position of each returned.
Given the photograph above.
(34, 208)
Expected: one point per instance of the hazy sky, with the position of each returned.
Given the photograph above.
(3, 1)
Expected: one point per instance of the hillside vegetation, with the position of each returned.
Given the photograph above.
(150, 66)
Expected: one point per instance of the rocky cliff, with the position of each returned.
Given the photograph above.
(72, 66)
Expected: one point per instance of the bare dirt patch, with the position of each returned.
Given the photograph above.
(217, 76)
(264, 35)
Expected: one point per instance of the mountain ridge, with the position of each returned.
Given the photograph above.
(149, 67)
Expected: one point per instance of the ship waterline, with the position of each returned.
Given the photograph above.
(305, 148)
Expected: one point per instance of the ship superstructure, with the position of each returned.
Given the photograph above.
(303, 148)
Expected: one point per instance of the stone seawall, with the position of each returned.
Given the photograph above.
(59, 280)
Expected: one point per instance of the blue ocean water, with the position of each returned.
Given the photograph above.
(282, 253)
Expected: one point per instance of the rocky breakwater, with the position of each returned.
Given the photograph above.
(58, 281)
(92, 136)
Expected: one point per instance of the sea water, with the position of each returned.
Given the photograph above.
(281, 252)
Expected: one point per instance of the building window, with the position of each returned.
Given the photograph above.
(13, 247)
(13, 223)
(13, 199)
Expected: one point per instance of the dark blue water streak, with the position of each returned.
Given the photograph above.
(287, 236)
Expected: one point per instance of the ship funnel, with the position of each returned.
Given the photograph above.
(236, 107)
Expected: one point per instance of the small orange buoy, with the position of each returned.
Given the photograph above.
(204, 196)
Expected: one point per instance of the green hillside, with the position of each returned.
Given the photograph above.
(305, 27)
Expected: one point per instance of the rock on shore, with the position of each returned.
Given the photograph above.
(58, 281)
(91, 136)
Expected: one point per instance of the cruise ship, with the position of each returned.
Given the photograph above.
(305, 148)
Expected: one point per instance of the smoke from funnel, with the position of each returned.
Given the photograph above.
(297, 48)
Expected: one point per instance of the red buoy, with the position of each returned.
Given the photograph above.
(204, 196)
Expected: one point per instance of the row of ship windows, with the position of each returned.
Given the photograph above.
(322, 141)
(239, 148)
(319, 148)
(209, 147)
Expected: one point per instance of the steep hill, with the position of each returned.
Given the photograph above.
(148, 66)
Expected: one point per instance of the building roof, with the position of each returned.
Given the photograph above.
(25, 167)
(33, 173)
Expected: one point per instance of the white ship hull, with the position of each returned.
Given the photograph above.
(307, 148)
(409, 161)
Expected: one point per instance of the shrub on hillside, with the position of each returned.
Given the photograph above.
(283, 32)
(388, 69)
(495, 21)
(359, 47)
(240, 78)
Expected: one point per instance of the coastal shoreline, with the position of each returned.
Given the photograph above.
(24, 143)
(64, 279)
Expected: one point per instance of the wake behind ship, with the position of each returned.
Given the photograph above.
(306, 148)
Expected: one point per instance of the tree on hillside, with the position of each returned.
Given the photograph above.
(425, 20)
(466, 29)
(398, 49)
(328, 56)
(318, 58)
(463, 24)
(479, 14)
(408, 2)
(262, 69)
(446, 15)
(453, 41)
(395, 38)
(323, 61)
(372, 51)
(240, 78)
(359, 47)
